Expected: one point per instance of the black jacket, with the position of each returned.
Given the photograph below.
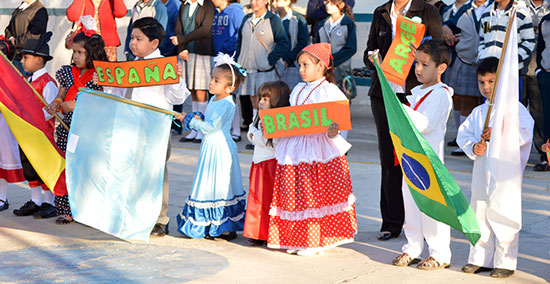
(202, 35)
(381, 31)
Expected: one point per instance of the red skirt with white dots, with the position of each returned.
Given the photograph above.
(313, 206)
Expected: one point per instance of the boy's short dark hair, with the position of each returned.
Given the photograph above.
(151, 28)
(487, 65)
(438, 51)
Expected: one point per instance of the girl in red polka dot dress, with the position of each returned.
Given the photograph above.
(313, 205)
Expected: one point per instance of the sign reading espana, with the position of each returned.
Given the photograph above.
(398, 61)
(138, 73)
(305, 119)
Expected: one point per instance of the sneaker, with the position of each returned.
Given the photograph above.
(28, 209)
(46, 211)
(458, 152)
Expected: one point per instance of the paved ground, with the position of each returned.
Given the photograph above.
(39, 251)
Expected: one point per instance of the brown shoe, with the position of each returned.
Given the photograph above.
(501, 273)
(404, 259)
(431, 263)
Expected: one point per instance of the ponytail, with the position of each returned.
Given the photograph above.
(348, 11)
(329, 72)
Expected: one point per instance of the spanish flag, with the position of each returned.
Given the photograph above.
(25, 117)
(432, 187)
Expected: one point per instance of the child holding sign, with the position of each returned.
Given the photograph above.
(262, 173)
(216, 206)
(313, 205)
(430, 106)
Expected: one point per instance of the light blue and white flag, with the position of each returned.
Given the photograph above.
(116, 155)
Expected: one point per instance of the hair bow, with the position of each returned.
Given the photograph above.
(223, 58)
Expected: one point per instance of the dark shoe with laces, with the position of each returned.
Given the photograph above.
(159, 230)
(28, 209)
(46, 211)
(4, 205)
(501, 273)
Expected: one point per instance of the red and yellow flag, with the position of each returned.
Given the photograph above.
(25, 117)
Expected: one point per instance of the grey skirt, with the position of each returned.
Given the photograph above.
(253, 81)
(462, 78)
(197, 71)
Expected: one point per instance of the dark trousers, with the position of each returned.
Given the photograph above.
(543, 79)
(391, 196)
(531, 98)
(246, 110)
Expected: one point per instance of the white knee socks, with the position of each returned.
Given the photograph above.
(36, 195)
(236, 125)
(3, 189)
(48, 197)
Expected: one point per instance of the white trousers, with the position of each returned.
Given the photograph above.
(492, 251)
(418, 226)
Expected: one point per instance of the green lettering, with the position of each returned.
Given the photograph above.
(281, 121)
(304, 116)
(408, 27)
(315, 117)
(119, 74)
(169, 72)
(324, 120)
(109, 74)
(293, 121)
(402, 50)
(133, 76)
(100, 74)
(269, 125)
(407, 39)
(397, 64)
(152, 73)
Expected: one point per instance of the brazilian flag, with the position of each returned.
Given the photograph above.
(433, 188)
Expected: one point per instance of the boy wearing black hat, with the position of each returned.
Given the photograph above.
(35, 54)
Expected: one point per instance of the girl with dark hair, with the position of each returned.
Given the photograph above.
(87, 47)
(262, 173)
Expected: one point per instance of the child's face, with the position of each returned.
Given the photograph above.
(219, 3)
(258, 5)
(32, 63)
(426, 70)
(486, 83)
(79, 55)
(332, 8)
(140, 45)
(219, 84)
(279, 5)
(310, 69)
(265, 103)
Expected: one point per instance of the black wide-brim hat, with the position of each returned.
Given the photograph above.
(38, 47)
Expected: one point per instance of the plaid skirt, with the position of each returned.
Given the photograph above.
(253, 81)
(291, 76)
(462, 78)
(197, 71)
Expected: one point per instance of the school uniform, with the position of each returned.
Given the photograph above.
(297, 31)
(429, 110)
(498, 246)
(154, 9)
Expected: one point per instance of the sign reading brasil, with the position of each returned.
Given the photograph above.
(138, 73)
(305, 119)
(398, 61)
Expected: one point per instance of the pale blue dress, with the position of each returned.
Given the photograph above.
(217, 202)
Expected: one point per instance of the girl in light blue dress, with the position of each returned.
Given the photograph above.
(216, 206)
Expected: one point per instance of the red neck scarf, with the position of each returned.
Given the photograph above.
(79, 82)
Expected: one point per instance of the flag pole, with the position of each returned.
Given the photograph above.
(499, 69)
(130, 102)
(42, 100)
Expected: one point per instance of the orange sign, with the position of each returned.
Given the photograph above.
(398, 61)
(138, 73)
(305, 119)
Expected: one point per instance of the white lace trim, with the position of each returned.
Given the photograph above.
(223, 203)
(342, 242)
(213, 222)
(313, 212)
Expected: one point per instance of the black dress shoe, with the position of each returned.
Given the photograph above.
(4, 205)
(28, 209)
(257, 243)
(542, 167)
(236, 138)
(197, 141)
(228, 237)
(159, 230)
(501, 273)
(385, 235)
(46, 211)
(452, 143)
(185, 139)
(249, 146)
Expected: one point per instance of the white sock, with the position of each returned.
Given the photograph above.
(236, 125)
(48, 197)
(201, 107)
(3, 189)
(193, 133)
(36, 195)
(456, 115)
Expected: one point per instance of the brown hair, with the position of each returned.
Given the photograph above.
(329, 70)
(345, 10)
(279, 96)
(228, 70)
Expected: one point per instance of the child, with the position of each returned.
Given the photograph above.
(225, 32)
(142, 9)
(296, 29)
(262, 42)
(147, 34)
(87, 47)
(194, 41)
(10, 162)
(313, 205)
(498, 246)
(216, 206)
(431, 105)
(262, 173)
(339, 30)
(35, 55)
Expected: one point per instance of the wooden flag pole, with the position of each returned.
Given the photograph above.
(499, 68)
(42, 100)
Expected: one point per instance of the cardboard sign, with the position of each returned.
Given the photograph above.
(138, 73)
(398, 61)
(305, 119)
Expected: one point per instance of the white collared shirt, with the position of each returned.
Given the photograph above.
(288, 15)
(193, 6)
(255, 20)
(479, 10)
(26, 5)
(50, 90)
(335, 24)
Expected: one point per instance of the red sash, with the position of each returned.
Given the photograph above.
(79, 82)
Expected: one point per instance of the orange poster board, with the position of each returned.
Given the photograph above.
(305, 119)
(398, 61)
(138, 73)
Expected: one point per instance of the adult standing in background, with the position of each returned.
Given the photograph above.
(317, 13)
(104, 12)
(382, 32)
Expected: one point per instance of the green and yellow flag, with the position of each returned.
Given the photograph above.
(433, 188)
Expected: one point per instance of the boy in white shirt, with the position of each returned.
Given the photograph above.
(430, 106)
